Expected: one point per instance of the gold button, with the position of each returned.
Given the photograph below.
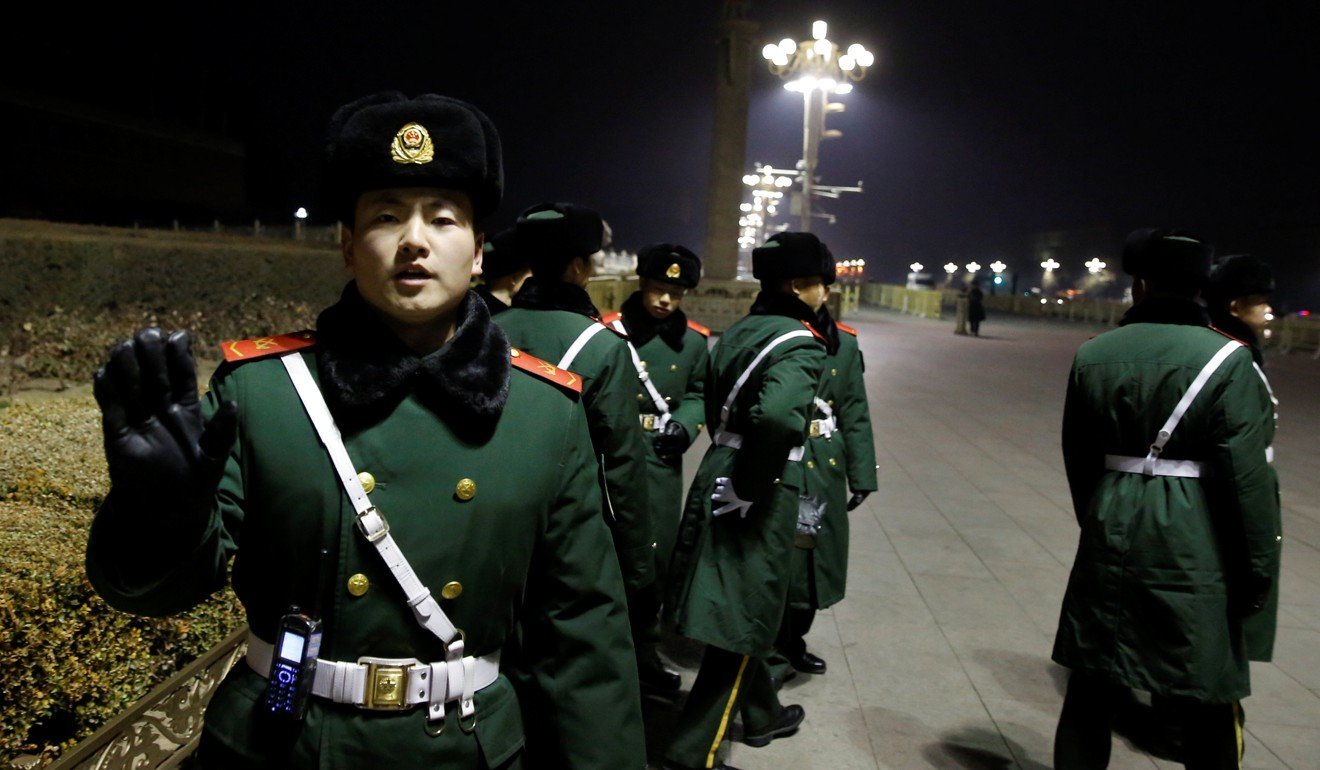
(368, 481)
(833, 462)
(776, 481)
(810, 464)
(465, 489)
(643, 364)
(1278, 538)
(701, 426)
(452, 590)
(673, 367)
(668, 399)
(641, 397)
(830, 402)
(834, 372)
(358, 584)
(515, 352)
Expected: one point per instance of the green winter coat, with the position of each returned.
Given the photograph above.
(609, 395)
(1166, 565)
(729, 575)
(527, 553)
(679, 375)
(834, 465)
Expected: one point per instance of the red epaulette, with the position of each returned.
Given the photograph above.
(698, 328)
(262, 347)
(545, 370)
(814, 333)
(846, 328)
(611, 318)
(1214, 328)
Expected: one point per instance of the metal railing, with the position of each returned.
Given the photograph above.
(163, 728)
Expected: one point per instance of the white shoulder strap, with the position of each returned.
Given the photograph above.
(369, 520)
(661, 407)
(742, 379)
(579, 343)
(1202, 378)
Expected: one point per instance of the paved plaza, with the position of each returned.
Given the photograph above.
(939, 655)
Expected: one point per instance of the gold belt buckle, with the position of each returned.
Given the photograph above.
(385, 686)
(814, 430)
(648, 422)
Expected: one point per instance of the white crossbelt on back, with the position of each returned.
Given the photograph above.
(581, 342)
(661, 407)
(463, 675)
(1152, 464)
(722, 436)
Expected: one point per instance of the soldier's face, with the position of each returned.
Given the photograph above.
(1253, 310)
(660, 298)
(812, 291)
(413, 252)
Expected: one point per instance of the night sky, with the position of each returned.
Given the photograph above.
(980, 124)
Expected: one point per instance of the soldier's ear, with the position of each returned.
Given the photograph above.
(481, 252)
(346, 246)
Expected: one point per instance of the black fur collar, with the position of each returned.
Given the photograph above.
(770, 302)
(366, 370)
(1232, 326)
(538, 294)
(824, 324)
(1166, 310)
(643, 327)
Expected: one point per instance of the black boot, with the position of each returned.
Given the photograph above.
(790, 719)
(807, 663)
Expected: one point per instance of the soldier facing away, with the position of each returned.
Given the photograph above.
(670, 356)
(408, 398)
(730, 571)
(1166, 441)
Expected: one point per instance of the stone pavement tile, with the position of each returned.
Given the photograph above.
(1297, 747)
(1290, 618)
(906, 739)
(880, 605)
(1009, 663)
(926, 544)
(1038, 589)
(971, 603)
(1278, 699)
(1028, 729)
(912, 668)
(1297, 654)
(1007, 544)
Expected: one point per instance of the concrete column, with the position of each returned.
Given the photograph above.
(732, 92)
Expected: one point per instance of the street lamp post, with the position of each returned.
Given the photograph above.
(816, 68)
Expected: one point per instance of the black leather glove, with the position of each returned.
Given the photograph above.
(1255, 595)
(671, 442)
(162, 456)
(857, 499)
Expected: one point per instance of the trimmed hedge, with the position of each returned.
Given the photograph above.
(68, 662)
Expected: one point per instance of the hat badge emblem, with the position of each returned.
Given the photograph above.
(674, 271)
(412, 144)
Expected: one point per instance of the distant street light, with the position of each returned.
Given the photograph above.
(917, 267)
(298, 217)
(1049, 265)
(816, 68)
(973, 267)
(998, 267)
(950, 268)
(767, 191)
(1095, 265)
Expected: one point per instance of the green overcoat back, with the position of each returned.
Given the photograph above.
(1166, 565)
(730, 573)
(834, 465)
(507, 524)
(609, 396)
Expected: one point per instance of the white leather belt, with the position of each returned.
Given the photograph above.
(1188, 469)
(389, 684)
(1269, 453)
(735, 441)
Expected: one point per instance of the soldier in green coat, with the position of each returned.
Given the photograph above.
(670, 358)
(504, 269)
(1166, 441)
(554, 318)
(840, 456)
(731, 565)
(410, 504)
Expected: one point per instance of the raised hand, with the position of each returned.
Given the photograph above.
(157, 445)
(724, 494)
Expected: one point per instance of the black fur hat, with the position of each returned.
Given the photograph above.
(792, 255)
(551, 234)
(1167, 256)
(1239, 275)
(669, 262)
(388, 140)
(501, 256)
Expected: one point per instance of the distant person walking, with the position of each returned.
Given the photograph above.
(1166, 434)
(975, 308)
